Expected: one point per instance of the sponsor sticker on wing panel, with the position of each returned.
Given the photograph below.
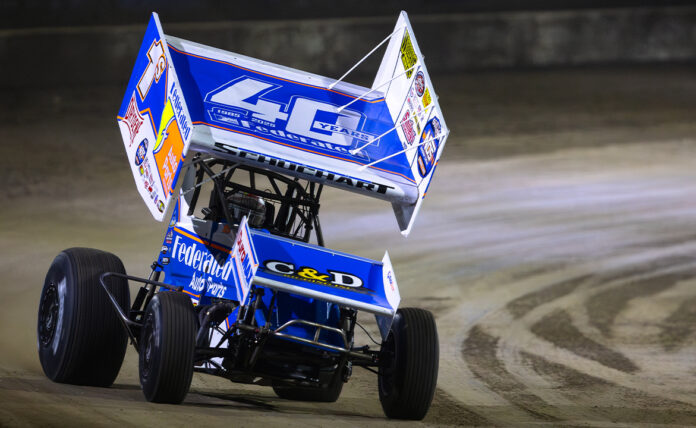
(408, 54)
(168, 148)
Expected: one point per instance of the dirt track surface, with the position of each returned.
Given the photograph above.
(557, 249)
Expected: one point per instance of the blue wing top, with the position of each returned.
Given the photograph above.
(383, 142)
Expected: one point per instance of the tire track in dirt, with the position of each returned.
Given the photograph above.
(600, 396)
(479, 352)
(558, 329)
(448, 410)
(679, 326)
(603, 307)
(480, 349)
(522, 305)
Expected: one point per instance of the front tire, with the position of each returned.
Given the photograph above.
(167, 345)
(408, 365)
(80, 338)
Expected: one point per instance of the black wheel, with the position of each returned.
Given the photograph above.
(167, 344)
(408, 365)
(80, 338)
(322, 395)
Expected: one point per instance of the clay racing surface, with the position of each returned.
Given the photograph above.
(557, 250)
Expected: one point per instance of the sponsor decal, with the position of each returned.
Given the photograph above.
(426, 152)
(140, 153)
(420, 83)
(437, 128)
(200, 283)
(244, 104)
(390, 281)
(148, 180)
(190, 254)
(426, 98)
(160, 206)
(168, 148)
(407, 127)
(408, 55)
(421, 167)
(182, 119)
(166, 260)
(391, 290)
(301, 169)
(216, 271)
(164, 249)
(169, 236)
(216, 289)
(245, 258)
(175, 213)
(132, 119)
(333, 278)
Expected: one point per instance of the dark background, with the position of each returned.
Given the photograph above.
(42, 13)
(49, 44)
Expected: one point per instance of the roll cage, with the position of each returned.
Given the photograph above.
(292, 207)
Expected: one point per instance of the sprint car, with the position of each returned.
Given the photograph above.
(234, 152)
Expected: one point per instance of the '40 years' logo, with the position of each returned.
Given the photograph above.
(242, 103)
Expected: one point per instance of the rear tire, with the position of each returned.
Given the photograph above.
(408, 365)
(80, 337)
(167, 345)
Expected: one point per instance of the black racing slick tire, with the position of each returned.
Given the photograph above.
(409, 363)
(167, 345)
(80, 337)
(320, 395)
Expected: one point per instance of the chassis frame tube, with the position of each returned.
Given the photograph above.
(125, 320)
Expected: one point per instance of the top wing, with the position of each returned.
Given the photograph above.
(297, 123)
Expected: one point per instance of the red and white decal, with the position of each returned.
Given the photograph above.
(407, 127)
(133, 119)
(246, 261)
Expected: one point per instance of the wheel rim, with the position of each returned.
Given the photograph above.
(387, 366)
(48, 315)
(148, 347)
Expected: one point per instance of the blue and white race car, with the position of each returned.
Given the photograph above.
(237, 151)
